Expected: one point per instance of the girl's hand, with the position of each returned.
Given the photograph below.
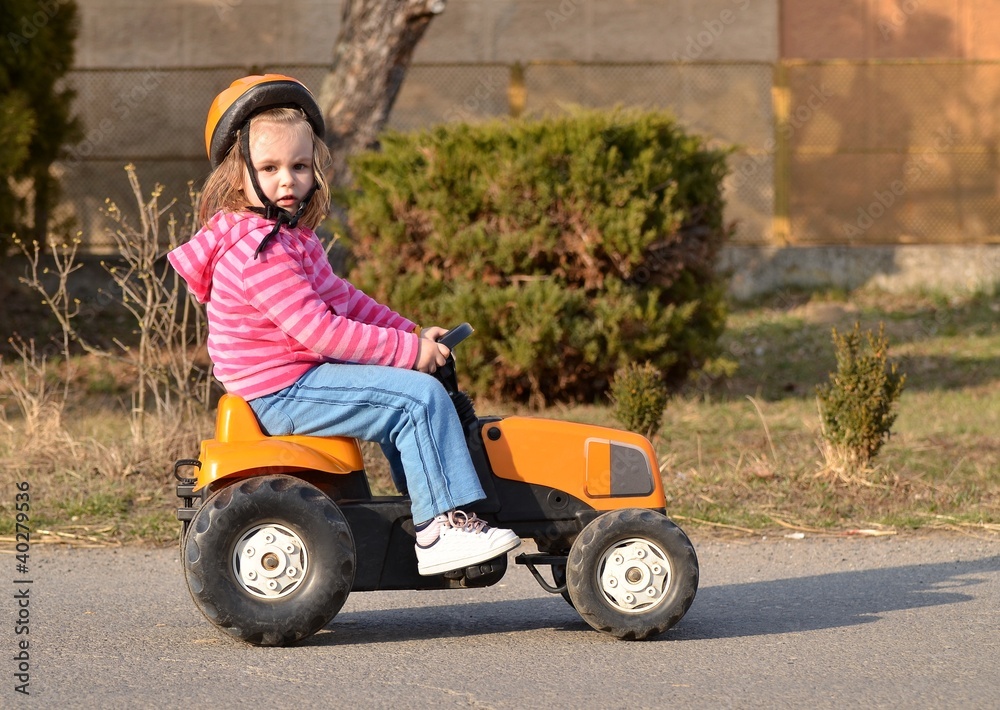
(432, 332)
(431, 355)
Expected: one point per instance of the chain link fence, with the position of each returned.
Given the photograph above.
(831, 152)
(891, 152)
(154, 119)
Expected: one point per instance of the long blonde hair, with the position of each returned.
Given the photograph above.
(223, 190)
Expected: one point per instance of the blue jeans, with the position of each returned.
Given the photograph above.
(408, 413)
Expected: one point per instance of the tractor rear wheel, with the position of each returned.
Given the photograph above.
(269, 560)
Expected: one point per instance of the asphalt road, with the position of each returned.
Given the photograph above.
(907, 622)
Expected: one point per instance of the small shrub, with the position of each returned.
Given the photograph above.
(639, 397)
(574, 245)
(857, 405)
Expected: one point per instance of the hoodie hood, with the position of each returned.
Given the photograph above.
(196, 260)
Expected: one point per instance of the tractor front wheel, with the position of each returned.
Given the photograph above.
(269, 560)
(632, 573)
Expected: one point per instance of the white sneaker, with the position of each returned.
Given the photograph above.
(464, 540)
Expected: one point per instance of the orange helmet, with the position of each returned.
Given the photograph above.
(248, 96)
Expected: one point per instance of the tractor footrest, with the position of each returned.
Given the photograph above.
(530, 561)
(186, 514)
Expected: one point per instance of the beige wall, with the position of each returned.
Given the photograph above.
(199, 33)
(891, 29)
(196, 33)
(857, 122)
(602, 31)
(903, 148)
(147, 72)
(876, 148)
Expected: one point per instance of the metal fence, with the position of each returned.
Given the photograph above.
(831, 152)
(889, 152)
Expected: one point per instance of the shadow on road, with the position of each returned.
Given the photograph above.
(826, 601)
(453, 620)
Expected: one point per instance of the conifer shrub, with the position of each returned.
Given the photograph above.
(639, 398)
(36, 120)
(858, 403)
(575, 245)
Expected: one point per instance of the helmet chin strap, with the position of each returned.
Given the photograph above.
(270, 210)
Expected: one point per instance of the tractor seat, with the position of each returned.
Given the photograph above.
(236, 422)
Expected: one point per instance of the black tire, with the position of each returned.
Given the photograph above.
(294, 535)
(632, 573)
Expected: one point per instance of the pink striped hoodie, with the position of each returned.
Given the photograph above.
(273, 318)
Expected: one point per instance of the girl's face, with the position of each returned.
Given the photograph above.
(282, 157)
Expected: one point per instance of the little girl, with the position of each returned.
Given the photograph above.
(310, 353)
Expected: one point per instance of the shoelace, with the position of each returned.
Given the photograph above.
(471, 523)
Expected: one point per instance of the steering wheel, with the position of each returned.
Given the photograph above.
(456, 335)
(446, 374)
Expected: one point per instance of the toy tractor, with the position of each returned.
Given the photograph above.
(278, 530)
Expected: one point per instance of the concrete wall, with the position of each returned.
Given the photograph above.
(890, 29)
(911, 268)
(204, 33)
(897, 151)
(198, 33)
(147, 72)
(858, 123)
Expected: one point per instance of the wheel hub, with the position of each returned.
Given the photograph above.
(270, 561)
(634, 575)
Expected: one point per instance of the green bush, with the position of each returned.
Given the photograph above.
(35, 110)
(17, 125)
(575, 245)
(639, 397)
(858, 403)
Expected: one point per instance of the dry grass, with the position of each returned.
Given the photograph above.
(95, 480)
(106, 480)
(939, 469)
(730, 475)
